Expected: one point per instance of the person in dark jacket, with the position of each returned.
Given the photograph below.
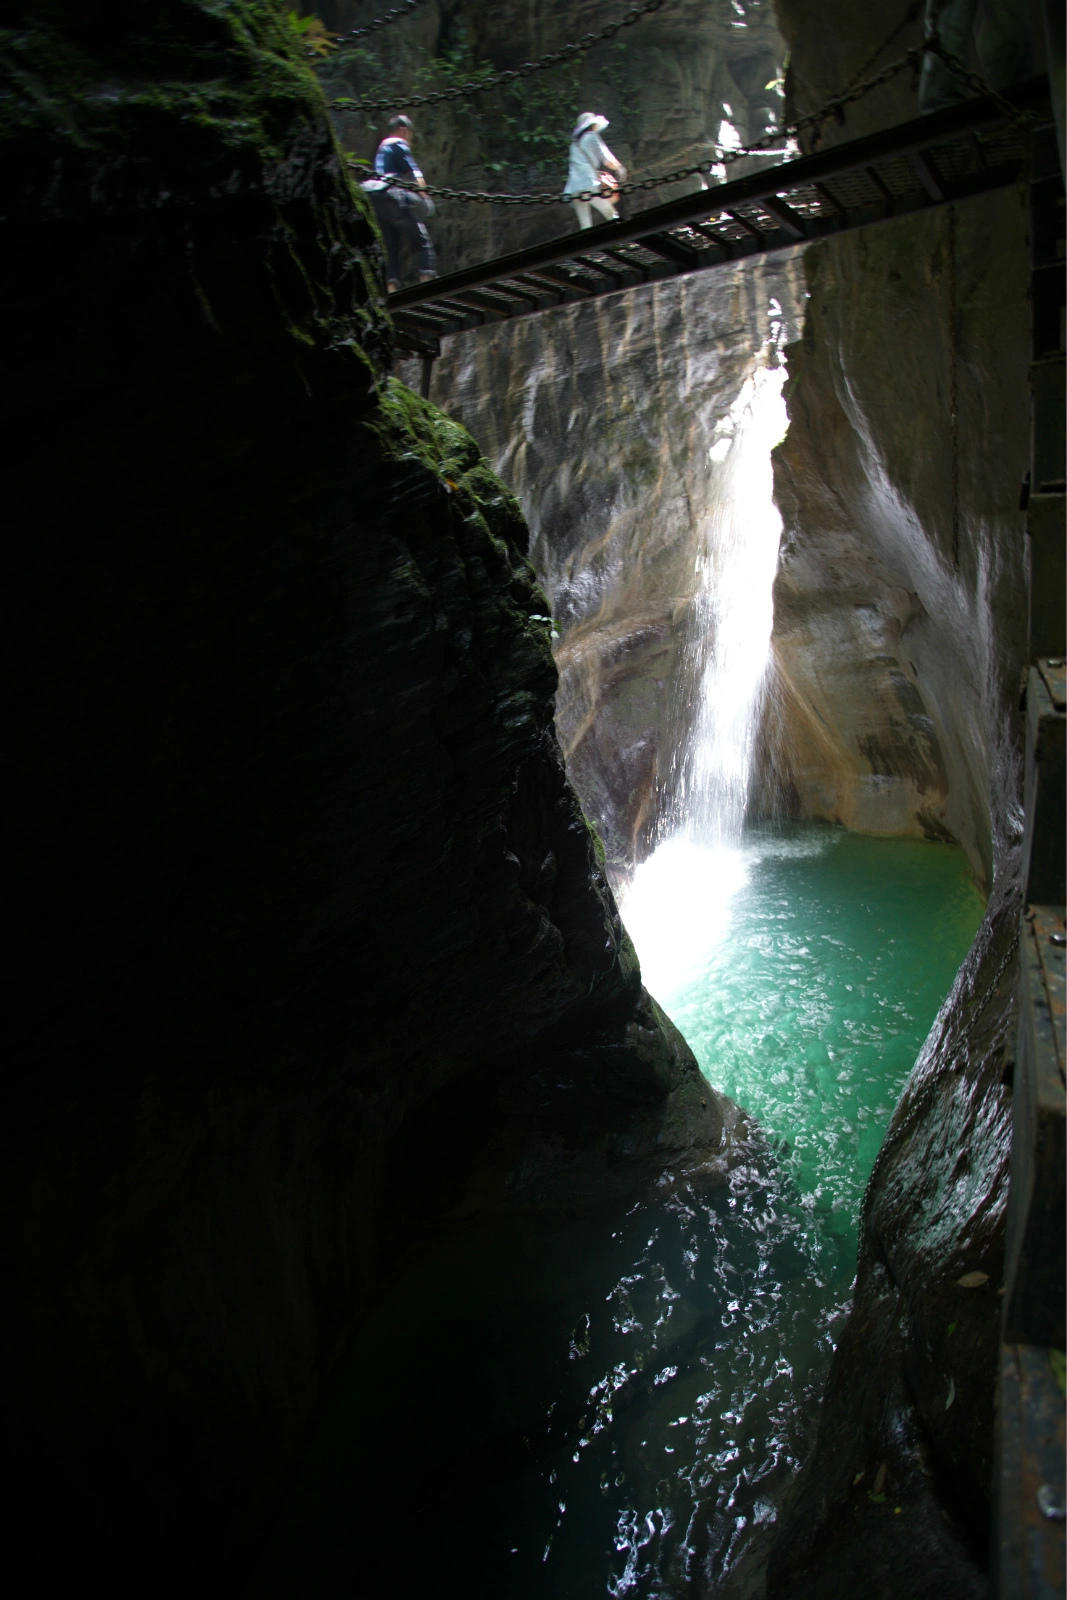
(398, 209)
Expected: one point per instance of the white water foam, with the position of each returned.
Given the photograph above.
(678, 904)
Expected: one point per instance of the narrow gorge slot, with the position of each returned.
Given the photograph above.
(387, 1209)
(803, 965)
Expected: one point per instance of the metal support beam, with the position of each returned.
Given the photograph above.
(785, 216)
(928, 175)
(921, 134)
(671, 249)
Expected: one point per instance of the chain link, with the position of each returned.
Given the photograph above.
(975, 81)
(555, 58)
(379, 22)
(813, 120)
(699, 170)
(910, 16)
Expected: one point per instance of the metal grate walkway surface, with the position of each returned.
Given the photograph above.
(948, 155)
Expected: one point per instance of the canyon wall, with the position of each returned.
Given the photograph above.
(299, 892)
(900, 603)
(309, 921)
(603, 420)
(666, 82)
(882, 715)
(899, 644)
(608, 421)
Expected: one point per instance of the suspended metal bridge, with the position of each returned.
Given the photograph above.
(933, 160)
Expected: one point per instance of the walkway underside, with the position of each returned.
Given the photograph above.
(948, 155)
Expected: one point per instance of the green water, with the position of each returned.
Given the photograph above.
(809, 1006)
(560, 1408)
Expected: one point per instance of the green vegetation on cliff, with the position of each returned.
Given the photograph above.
(218, 91)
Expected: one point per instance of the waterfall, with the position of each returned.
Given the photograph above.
(733, 616)
(679, 899)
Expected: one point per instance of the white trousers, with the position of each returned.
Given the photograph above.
(583, 210)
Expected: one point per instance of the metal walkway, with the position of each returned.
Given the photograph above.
(948, 155)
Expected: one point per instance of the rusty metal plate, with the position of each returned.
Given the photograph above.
(1030, 1488)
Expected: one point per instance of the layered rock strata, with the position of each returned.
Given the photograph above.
(900, 640)
(611, 421)
(667, 82)
(308, 920)
(899, 644)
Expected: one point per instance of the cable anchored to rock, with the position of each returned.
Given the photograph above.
(911, 15)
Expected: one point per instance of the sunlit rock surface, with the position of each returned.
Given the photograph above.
(900, 607)
(667, 83)
(900, 603)
(307, 918)
(613, 423)
(900, 638)
(903, 542)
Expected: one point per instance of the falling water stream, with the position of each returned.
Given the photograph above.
(609, 1407)
(733, 615)
(804, 966)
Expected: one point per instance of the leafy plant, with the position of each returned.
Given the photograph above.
(532, 124)
(538, 616)
(313, 33)
(454, 67)
(521, 128)
(1059, 1371)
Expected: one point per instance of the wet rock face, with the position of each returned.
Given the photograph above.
(665, 83)
(898, 485)
(900, 607)
(299, 884)
(900, 602)
(606, 421)
(900, 617)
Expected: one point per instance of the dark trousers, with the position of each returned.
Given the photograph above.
(402, 230)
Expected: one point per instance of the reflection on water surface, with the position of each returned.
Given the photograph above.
(555, 1408)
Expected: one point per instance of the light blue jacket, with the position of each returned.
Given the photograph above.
(589, 156)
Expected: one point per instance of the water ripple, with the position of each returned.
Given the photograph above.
(610, 1405)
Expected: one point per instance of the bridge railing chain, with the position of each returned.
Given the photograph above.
(383, 21)
(473, 86)
(832, 108)
(975, 80)
(813, 121)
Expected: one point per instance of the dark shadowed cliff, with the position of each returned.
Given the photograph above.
(297, 881)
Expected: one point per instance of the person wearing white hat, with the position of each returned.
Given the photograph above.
(593, 171)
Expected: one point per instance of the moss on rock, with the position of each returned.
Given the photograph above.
(309, 916)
